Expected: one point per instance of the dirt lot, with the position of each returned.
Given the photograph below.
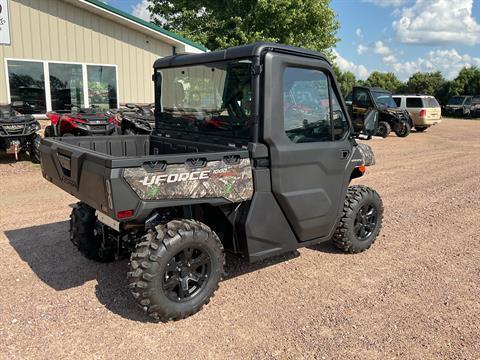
(414, 295)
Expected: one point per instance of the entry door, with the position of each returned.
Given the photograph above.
(307, 131)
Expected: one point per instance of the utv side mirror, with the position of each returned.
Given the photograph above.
(370, 122)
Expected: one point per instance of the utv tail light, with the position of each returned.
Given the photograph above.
(124, 214)
(422, 113)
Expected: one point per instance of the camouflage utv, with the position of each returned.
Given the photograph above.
(252, 153)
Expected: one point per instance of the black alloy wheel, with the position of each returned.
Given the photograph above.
(365, 222)
(186, 274)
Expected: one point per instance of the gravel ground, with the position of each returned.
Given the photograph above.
(414, 295)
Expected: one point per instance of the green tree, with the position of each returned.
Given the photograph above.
(467, 82)
(425, 83)
(386, 81)
(219, 24)
(346, 80)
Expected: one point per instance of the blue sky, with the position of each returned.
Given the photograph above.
(400, 36)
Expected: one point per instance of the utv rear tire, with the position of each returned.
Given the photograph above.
(383, 129)
(404, 131)
(361, 220)
(34, 151)
(176, 269)
(84, 234)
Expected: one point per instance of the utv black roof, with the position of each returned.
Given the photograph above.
(237, 52)
(374, 88)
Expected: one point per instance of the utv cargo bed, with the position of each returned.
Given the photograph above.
(120, 175)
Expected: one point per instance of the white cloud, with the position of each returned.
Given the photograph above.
(140, 10)
(449, 62)
(359, 32)
(438, 22)
(381, 49)
(361, 49)
(389, 59)
(386, 3)
(360, 70)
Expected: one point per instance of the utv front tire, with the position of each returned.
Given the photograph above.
(175, 269)
(383, 129)
(34, 151)
(404, 131)
(361, 220)
(85, 236)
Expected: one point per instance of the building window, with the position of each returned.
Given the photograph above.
(27, 84)
(102, 86)
(69, 85)
(66, 86)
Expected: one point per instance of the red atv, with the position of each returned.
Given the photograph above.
(83, 122)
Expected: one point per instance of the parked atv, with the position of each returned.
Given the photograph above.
(19, 133)
(263, 181)
(83, 122)
(136, 119)
(390, 116)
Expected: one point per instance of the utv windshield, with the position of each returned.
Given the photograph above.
(456, 100)
(211, 99)
(384, 98)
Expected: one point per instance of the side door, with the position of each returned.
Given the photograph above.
(307, 131)
(361, 102)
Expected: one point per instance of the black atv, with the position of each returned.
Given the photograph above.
(82, 122)
(19, 133)
(136, 119)
(390, 116)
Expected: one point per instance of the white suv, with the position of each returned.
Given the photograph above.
(424, 109)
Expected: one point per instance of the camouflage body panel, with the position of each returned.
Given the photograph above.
(217, 179)
(366, 153)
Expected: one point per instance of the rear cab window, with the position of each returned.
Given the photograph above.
(211, 99)
(398, 100)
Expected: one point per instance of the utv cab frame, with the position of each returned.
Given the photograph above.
(252, 153)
